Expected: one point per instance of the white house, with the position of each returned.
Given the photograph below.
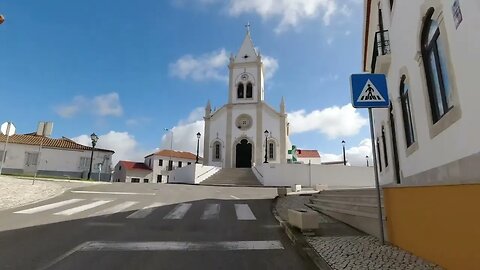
(58, 157)
(132, 172)
(236, 134)
(427, 143)
(308, 156)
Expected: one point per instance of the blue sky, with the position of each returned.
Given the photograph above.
(128, 69)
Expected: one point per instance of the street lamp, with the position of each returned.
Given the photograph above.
(266, 136)
(367, 160)
(94, 138)
(344, 158)
(198, 145)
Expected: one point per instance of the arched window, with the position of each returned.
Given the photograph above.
(249, 90)
(436, 71)
(384, 141)
(406, 112)
(217, 151)
(240, 90)
(271, 150)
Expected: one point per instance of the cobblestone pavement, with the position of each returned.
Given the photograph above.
(365, 252)
(342, 247)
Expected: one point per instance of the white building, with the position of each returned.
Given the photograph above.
(308, 156)
(59, 157)
(156, 167)
(235, 134)
(132, 172)
(428, 149)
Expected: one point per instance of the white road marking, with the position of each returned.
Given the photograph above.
(62, 257)
(109, 192)
(147, 210)
(81, 208)
(211, 211)
(244, 212)
(180, 246)
(179, 211)
(47, 206)
(114, 209)
(236, 198)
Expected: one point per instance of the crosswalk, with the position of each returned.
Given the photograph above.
(95, 208)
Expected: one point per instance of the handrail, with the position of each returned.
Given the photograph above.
(205, 172)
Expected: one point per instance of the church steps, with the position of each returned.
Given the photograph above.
(233, 177)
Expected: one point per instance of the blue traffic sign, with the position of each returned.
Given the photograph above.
(369, 91)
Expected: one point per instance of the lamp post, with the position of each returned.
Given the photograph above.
(344, 157)
(367, 160)
(198, 145)
(266, 136)
(94, 138)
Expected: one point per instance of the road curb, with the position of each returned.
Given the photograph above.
(299, 241)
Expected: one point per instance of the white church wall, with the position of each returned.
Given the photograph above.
(271, 122)
(334, 177)
(217, 132)
(193, 173)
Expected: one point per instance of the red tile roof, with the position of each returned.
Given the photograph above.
(62, 143)
(131, 165)
(307, 153)
(175, 154)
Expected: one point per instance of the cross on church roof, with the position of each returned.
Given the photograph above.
(247, 26)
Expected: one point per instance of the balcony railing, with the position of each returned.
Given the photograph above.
(381, 47)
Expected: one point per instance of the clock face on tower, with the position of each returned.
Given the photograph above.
(243, 122)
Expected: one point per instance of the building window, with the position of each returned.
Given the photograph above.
(170, 165)
(436, 71)
(406, 112)
(84, 163)
(135, 180)
(179, 164)
(378, 155)
(31, 158)
(159, 178)
(391, 4)
(188, 163)
(384, 141)
(160, 162)
(249, 90)
(119, 168)
(271, 150)
(216, 151)
(145, 180)
(150, 163)
(240, 90)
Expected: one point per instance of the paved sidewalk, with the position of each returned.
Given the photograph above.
(16, 192)
(344, 247)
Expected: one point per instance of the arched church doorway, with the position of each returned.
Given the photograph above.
(243, 154)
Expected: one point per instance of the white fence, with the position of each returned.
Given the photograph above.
(335, 177)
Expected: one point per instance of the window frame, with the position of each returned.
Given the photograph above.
(271, 150)
(384, 142)
(407, 115)
(160, 162)
(379, 155)
(240, 91)
(249, 91)
(216, 157)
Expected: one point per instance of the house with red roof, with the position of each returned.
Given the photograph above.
(308, 156)
(156, 167)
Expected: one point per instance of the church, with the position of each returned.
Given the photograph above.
(245, 131)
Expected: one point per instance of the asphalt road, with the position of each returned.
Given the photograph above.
(148, 226)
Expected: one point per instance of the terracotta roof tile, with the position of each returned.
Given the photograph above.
(62, 143)
(131, 165)
(307, 153)
(175, 154)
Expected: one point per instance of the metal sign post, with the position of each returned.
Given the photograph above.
(8, 129)
(370, 91)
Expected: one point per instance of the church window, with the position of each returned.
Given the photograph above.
(240, 90)
(384, 140)
(271, 150)
(249, 90)
(216, 151)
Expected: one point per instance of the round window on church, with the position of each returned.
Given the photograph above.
(243, 122)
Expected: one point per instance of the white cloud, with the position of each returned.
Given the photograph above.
(209, 66)
(290, 12)
(102, 105)
(356, 156)
(123, 143)
(333, 121)
(132, 122)
(185, 133)
(212, 66)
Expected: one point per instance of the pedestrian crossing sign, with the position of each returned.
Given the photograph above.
(369, 91)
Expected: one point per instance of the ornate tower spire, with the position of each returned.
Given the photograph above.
(282, 106)
(208, 109)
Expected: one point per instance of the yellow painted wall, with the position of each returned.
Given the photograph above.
(438, 223)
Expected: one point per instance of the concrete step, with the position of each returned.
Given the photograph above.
(371, 199)
(235, 176)
(353, 206)
(360, 191)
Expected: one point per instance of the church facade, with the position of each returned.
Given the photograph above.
(246, 130)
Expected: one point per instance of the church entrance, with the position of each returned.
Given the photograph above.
(244, 154)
